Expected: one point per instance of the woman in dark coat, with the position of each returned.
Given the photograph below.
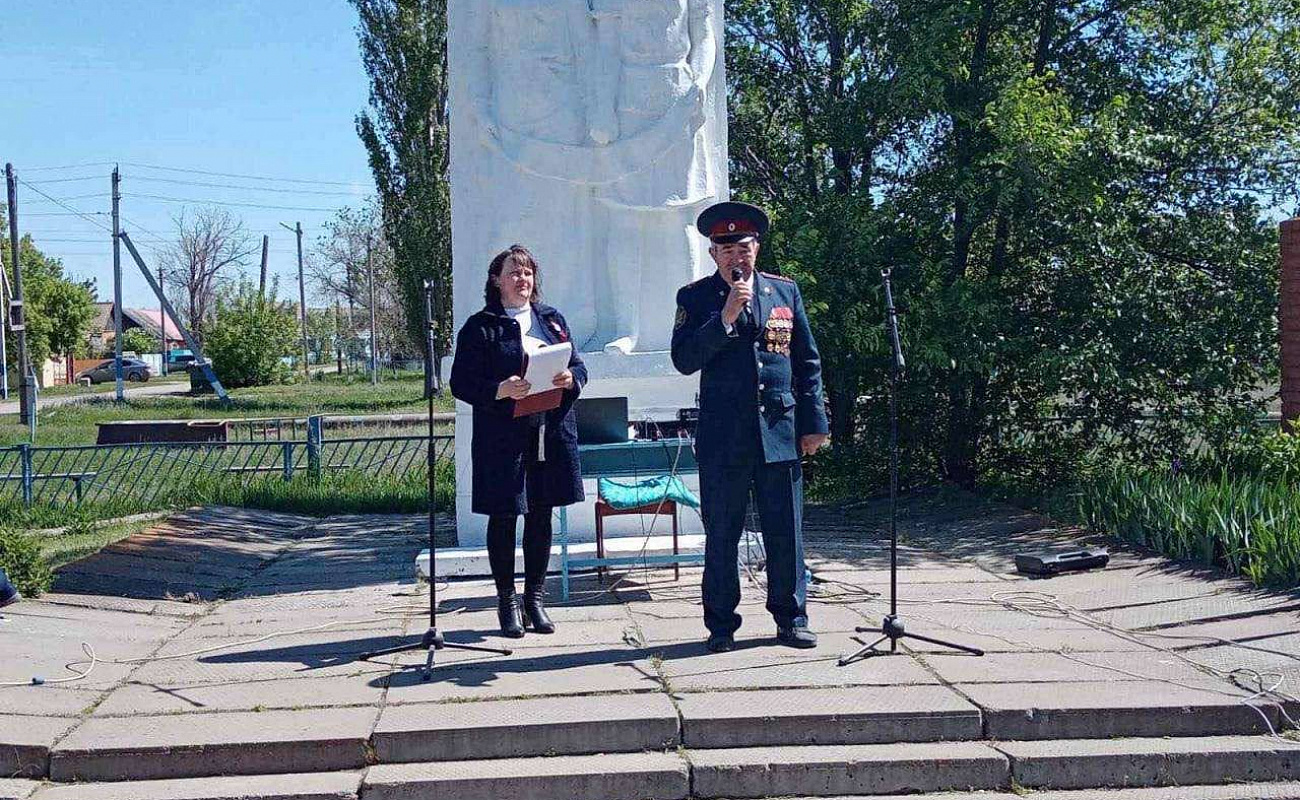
(521, 465)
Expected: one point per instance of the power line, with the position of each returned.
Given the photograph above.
(246, 188)
(237, 175)
(78, 212)
(69, 166)
(69, 180)
(229, 203)
(62, 213)
(81, 196)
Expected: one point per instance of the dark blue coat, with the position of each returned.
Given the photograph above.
(489, 349)
(765, 383)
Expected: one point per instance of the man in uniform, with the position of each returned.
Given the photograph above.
(761, 408)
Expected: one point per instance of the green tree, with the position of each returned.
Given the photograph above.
(1074, 197)
(138, 340)
(404, 50)
(250, 336)
(58, 310)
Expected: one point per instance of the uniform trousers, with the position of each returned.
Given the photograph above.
(724, 493)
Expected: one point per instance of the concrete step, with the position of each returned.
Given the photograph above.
(200, 745)
(517, 728)
(16, 788)
(824, 771)
(857, 715)
(1124, 763)
(619, 776)
(304, 786)
(1246, 791)
(1107, 709)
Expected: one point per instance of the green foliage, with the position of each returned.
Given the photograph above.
(1249, 524)
(249, 335)
(404, 49)
(349, 492)
(1075, 201)
(58, 310)
(22, 561)
(139, 340)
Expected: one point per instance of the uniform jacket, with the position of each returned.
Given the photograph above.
(774, 368)
(489, 349)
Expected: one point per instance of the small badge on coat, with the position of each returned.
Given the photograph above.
(558, 331)
(779, 329)
(680, 320)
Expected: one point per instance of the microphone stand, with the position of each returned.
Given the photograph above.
(432, 639)
(892, 628)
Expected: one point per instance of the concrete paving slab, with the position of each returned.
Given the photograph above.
(531, 673)
(878, 579)
(16, 788)
(1108, 709)
(1089, 763)
(1259, 630)
(44, 701)
(860, 715)
(691, 669)
(297, 786)
(133, 699)
(201, 745)
(1024, 668)
(821, 619)
(846, 770)
(615, 776)
(25, 743)
(1199, 609)
(1252, 791)
(413, 732)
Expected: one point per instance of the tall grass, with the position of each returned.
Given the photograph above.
(348, 492)
(1249, 524)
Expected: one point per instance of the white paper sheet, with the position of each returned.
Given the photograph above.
(545, 363)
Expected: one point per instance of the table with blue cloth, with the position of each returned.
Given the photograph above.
(631, 474)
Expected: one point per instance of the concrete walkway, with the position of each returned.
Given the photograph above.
(228, 641)
(151, 389)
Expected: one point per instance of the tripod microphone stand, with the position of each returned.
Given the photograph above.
(892, 627)
(432, 639)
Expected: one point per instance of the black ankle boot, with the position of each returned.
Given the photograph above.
(512, 623)
(535, 611)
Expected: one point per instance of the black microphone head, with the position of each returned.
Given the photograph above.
(736, 274)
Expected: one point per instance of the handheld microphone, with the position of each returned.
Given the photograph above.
(736, 277)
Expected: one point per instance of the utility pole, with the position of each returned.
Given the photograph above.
(302, 296)
(261, 284)
(374, 350)
(26, 411)
(117, 289)
(162, 327)
(338, 335)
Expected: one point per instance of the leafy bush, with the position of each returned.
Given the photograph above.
(248, 338)
(23, 562)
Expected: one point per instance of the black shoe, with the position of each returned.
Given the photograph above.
(535, 615)
(512, 622)
(721, 643)
(796, 636)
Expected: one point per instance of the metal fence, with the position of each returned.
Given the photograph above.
(151, 473)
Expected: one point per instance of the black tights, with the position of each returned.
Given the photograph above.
(537, 549)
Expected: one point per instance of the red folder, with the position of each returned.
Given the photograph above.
(537, 403)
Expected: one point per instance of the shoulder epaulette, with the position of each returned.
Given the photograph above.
(776, 277)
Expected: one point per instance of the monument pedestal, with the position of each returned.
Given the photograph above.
(655, 391)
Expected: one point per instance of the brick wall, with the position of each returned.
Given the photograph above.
(1289, 319)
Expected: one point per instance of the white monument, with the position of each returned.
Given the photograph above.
(593, 132)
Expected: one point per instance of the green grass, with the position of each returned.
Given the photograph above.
(81, 540)
(349, 394)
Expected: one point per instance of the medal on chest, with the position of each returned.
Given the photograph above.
(778, 330)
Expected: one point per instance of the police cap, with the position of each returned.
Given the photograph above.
(731, 222)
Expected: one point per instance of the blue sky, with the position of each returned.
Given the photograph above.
(267, 89)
